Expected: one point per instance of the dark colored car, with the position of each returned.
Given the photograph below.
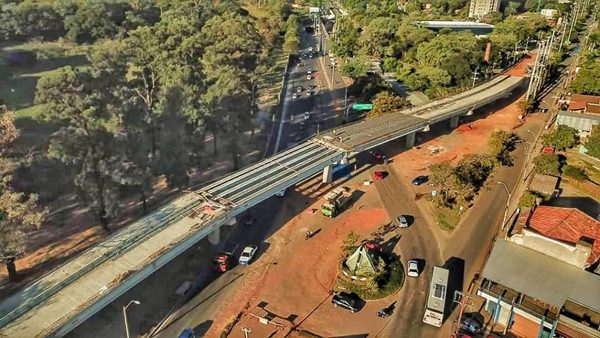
(346, 300)
(420, 180)
(469, 324)
(187, 333)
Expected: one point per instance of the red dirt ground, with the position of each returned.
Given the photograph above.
(519, 68)
(293, 277)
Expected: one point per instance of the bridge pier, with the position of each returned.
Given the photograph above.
(328, 174)
(215, 237)
(410, 140)
(454, 121)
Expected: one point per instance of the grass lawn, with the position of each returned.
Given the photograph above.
(590, 164)
(447, 219)
(17, 88)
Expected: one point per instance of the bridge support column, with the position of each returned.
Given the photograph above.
(410, 140)
(454, 121)
(215, 237)
(328, 174)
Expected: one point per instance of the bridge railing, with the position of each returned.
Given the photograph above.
(152, 227)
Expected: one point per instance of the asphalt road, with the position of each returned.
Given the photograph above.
(416, 241)
(198, 312)
(319, 104)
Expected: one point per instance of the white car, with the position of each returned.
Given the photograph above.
(307, 115)
(247, 254)
(308, 77)
(280, 193)
(309, 72)
(294, 96)
(413, 268)
(402, 221)
(310, 49)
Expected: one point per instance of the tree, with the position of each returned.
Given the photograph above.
(473, 170)
(90, 111)
(547, 164)
(586, 81)
(386, 103)
(562, 137)
(526, 106)
(18, 210)
(593, 142)
(501, 143)
(355, 68)
(350, 242)
(378, 37)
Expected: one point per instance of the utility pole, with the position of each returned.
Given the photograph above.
(475, 76)
(332, 74)
(462, 299)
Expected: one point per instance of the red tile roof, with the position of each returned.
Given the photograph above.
(593, 108)
(568, 225)
(577, 105)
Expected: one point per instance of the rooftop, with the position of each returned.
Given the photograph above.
(541, 277)
(449, 24)
(544, 184)
(564, 224)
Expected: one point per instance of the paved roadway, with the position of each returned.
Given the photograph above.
(199, 312)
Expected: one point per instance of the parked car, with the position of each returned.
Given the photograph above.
(309, 72)
(420, 180)
(308, 77)
(187, 333)
(470, 325)
(412, 268)
(247, 254)
(347, 301)
(379, 175)
(310, 49)
(294, 96)
(402, 221)
(307, 115)
(299, 89)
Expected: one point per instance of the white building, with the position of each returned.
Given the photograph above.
(479, 8)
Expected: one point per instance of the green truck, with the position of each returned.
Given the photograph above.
(335, 201)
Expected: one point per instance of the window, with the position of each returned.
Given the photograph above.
(440, 291)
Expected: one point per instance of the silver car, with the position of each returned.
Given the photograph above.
(412, 268)
(402, 221)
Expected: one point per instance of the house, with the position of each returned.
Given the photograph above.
(566, 234)
(586, 104)
(535, 295)
(546, 185)
(542, 279)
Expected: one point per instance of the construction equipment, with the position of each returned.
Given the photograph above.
(335, 201)
(221, 260)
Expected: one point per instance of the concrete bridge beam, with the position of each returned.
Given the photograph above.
(328, 174)
(215, 237)
(410, 140)
(454, 121)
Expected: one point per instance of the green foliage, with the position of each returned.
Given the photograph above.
(79, 21)
(548, 164)
(355, 68)
(575, 172)
(501, 144)
(350, 242)
(291, 43)
(586, 81)
(457, 53)
(463, 181)
(562, 137)
(386, 103)
(593, 142)
(526, 106)
(527, 199)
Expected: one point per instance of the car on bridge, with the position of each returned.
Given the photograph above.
(247, 254)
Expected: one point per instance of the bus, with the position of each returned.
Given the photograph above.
(436, 299)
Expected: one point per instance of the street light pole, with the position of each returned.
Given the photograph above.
(136, 302)
(507, 202)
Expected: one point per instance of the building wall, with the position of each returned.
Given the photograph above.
(576, 255)
(479, 8)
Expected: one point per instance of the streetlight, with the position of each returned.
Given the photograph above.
(136, 302)
(507, 202)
